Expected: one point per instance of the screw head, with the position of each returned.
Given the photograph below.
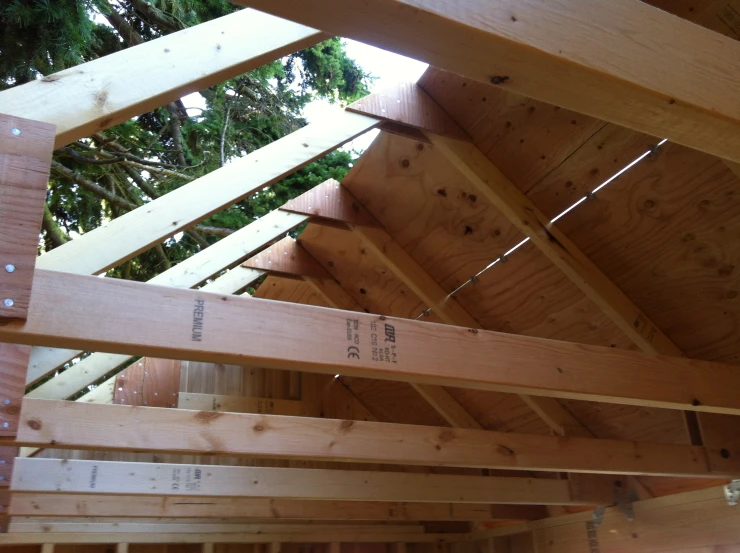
(6, 402)
(8, 302)
(16, 132)
(6, 425)
(9, 268)
(2, 461)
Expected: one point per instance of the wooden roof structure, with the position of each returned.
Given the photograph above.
(514, 326)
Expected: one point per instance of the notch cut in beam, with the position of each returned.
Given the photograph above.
(129, 319)
(621, 61)
(104, 92)
(60, 504)
(96, 477)
(73, 425)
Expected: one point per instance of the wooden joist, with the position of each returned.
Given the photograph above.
(308, 536)
(128, 319)
(182, 480)
(241, 404)
(126, 506)
(96, 95)
(618, 61)
(74, 425)
(90, 525)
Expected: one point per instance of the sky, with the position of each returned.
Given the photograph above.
(388, 68)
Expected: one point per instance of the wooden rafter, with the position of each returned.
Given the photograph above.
(107, 91)
(609, 61)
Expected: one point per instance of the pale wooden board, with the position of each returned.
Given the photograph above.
(99, 94)
(13, 362)
(25, 158)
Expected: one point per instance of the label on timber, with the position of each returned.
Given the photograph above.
(186, 479)
(377, 342)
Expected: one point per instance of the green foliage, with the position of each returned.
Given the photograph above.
(108, 174)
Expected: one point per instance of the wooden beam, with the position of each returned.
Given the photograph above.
(622, 61)
(97, 365)
(129, 319)
(25, 158)
(65, 505)
(308, 536)
(73, 425)
(286, 258)
(90, 525)
(98, 477)
(108, 91)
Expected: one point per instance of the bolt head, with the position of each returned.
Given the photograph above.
(8, 302)
(9, 268)
(16, 132)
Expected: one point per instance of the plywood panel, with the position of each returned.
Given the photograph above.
(148, 381)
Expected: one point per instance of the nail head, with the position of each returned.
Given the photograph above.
(9, 268)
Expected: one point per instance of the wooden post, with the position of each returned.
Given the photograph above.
(121, 548)
(208, 548)
(49, 548)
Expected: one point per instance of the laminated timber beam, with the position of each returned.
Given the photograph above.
(102, 93)
(159, 479)
(129, 319)
(125, 506)
(622, 61)
(73, 425)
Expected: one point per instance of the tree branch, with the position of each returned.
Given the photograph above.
(96, 189)
(53, 231)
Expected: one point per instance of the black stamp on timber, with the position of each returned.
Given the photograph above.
(198, 312)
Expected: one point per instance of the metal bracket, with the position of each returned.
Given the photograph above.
(732, 493)
(623, 499)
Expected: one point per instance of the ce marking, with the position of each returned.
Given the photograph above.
(353, 352)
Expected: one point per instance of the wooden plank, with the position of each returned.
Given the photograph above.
(59, 504)
(17, 538)
(564, 56)
(74, 425)
(105, 92)
(286, 258)
(149, 381)
(422, 352)
(125, 237)
(239, 404)
(25, 160)
(405, 103)
(331, 201)
(91, 526)
(75, 476)
(190, 273)
(97, 365)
